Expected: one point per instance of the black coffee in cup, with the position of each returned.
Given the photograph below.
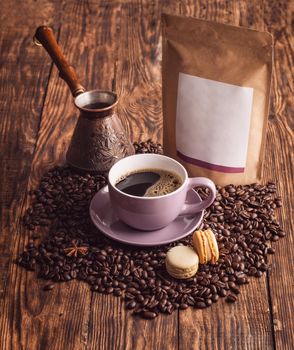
(97, 105)
(149, 183)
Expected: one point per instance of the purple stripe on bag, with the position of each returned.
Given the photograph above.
(202, 164)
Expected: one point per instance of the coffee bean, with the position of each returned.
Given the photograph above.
(235, 290)
(231, 298)
(149, 314)
(258, 274)
(131, 304)
(241, 280)
(200, 305)
(222, 292)
(213, 289)
(263, 267)
(73, 274)
(145, 302)
(65, 276)
(109, 290)
(140, 298)
(48, 287)
(117, 292)
(215, 298)
(101, 289)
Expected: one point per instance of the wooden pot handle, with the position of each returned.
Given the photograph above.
(45, 36)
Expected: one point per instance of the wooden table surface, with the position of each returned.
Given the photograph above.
(116, 45)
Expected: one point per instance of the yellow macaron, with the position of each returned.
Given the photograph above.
(181, 262)
(205, 245)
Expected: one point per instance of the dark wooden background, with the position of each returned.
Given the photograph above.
(117, 45)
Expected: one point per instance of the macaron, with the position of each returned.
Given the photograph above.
(181, 262)
(205, 244)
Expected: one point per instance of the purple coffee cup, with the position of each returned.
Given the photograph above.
(153, 213)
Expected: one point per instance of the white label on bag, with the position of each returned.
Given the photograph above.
(212, 123)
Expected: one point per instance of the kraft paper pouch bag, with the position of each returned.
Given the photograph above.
(216, 87)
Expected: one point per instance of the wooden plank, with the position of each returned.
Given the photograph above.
(243, 325)
(139, 86)
(139, 76)
(35, 319)
(24, 76)
(279, 166)
(246, 324)
(112, 327)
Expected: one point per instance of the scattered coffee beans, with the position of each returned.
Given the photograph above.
(231, 298)
(48, 287)
(242, 218)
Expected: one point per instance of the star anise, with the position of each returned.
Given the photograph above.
(75, 249)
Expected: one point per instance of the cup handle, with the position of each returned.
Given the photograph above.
(199, 182)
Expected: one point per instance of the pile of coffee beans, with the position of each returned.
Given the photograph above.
(148, 147)
(64, 244)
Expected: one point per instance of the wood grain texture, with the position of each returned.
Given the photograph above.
(24, 76)
(119, 330)
(58, 320)
(243, 325)
(254, 332)
(276, 17)
(279, 162)
(138, 69)
(117, 45)
(138, 85)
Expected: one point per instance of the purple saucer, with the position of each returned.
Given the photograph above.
(106, 221)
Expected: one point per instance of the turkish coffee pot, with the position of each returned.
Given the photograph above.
(99, 139)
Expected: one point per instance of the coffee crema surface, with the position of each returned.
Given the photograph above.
(149, 183)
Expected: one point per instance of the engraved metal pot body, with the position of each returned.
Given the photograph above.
(99, 139)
